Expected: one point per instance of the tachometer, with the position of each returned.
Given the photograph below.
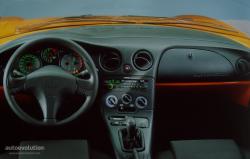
(28, 63)
(49, 54)
(72, 63)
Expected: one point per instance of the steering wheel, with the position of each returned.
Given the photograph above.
(49, 83)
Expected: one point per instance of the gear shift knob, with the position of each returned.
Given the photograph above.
(131, 135)
(131, 127)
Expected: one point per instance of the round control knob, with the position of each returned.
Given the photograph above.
(126, 98)
(111, 101)
(141, 102)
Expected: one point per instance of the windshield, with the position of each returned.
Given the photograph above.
(233, 12)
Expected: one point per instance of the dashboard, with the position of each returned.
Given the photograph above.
(137, 59)
(163, 53)
(135, 62)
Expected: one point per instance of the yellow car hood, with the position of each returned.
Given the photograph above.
(16, 27)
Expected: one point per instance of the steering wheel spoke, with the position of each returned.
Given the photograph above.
(17, 84)
(49, 106)
(85, 86)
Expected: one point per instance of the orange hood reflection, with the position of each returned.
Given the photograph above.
(16, 27)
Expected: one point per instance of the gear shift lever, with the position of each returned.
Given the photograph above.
(131, 136)
(131, 128)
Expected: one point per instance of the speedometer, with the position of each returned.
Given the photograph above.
(28, 63)
(72, 63)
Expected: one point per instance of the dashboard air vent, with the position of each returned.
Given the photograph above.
(243, 66)
(143, 60)
(110, 61)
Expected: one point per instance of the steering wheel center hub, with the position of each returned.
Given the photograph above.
(52, 80)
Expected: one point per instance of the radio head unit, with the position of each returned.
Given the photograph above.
(123, 84)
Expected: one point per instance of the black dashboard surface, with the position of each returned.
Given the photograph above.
(124, 42)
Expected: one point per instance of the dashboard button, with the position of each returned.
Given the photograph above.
(115, 123)
(111, 101)
(117, 118)
(141, 102)
(127, 68)
(131, 105)
(142, 122)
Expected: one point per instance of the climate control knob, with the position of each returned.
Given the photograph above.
(126, 98)
(141, 102)
(111, 101)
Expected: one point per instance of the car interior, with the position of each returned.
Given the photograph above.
(125, 91)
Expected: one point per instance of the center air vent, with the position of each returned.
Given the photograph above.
(243, 66)
(143, 60)
(110, 61)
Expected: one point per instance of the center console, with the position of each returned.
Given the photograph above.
(127, 107)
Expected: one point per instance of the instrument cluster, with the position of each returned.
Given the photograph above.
(36, 58)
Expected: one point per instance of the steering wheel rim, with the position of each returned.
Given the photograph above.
(88, 87)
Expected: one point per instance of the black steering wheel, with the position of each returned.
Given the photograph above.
(49, 83)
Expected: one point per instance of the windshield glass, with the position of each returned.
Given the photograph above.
(233, 12)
